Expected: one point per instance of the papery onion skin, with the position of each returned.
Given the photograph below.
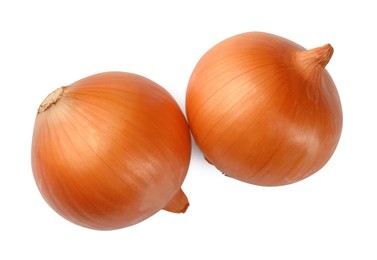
(264, 110)
(111, 150)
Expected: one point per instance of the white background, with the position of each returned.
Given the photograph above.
(331, 215)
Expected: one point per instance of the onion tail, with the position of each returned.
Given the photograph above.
(178, 204)
(312, 62)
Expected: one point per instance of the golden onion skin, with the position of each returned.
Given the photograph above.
(111, 150)
(263, 109)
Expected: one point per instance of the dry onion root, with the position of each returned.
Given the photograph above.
(264, 110)
(111, 150)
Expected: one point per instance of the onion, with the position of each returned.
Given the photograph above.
(264, 110)
(111, 150)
